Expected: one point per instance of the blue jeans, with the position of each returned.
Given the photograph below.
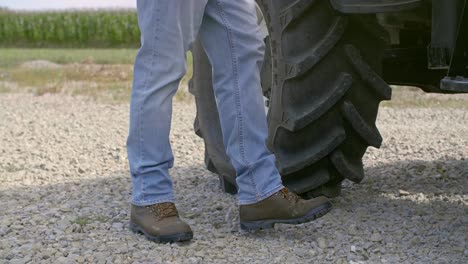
(231, 38)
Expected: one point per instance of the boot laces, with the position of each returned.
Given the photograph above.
(163, 210)
(288, 195)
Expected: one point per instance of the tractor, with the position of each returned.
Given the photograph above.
(328, 64)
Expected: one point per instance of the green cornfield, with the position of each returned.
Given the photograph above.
(69, 29)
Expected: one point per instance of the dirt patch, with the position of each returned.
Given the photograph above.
(40, 64)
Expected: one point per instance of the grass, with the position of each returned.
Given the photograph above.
(412, 97)
(11, 57)
(101, 218)
(105, 75)
(82, 221)
(110, 83)
(86, 220)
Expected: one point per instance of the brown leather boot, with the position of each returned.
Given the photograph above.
(159, 223)
(282, 207)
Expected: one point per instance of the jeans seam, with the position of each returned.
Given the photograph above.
(154, 55)
(237, 101)
(254, 185)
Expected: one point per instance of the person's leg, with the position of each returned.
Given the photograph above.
(235, 48)
(232, 40)
(167, 29)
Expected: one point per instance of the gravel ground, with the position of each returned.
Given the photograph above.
(65, 187)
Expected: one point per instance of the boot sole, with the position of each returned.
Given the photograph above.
(179, 237)
(270, 223)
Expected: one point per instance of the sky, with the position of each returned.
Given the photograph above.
(65, 4)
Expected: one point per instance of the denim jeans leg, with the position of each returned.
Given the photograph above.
(167, 27)
(232, 40)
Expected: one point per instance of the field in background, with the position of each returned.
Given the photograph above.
(103, 74)
(77, 29)
(413, 97)
(106, 75)
(11, 57)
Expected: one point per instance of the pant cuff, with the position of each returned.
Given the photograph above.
(168, 199)
(262, 196)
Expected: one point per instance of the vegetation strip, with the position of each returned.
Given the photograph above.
(93, 28)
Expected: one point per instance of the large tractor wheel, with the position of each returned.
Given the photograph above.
(321, 75)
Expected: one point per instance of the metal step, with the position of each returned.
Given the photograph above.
(458, 84)
(373, 6)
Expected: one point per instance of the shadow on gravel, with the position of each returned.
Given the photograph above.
(438, 177)
(411, 206)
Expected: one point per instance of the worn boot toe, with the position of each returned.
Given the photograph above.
(282, 207)
(159, 223)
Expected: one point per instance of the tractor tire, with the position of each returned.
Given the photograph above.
(324, 92)
(207, 124)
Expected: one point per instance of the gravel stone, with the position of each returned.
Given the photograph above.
(375, 237)
(65, 189)
(403, 193)
(322, 243)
